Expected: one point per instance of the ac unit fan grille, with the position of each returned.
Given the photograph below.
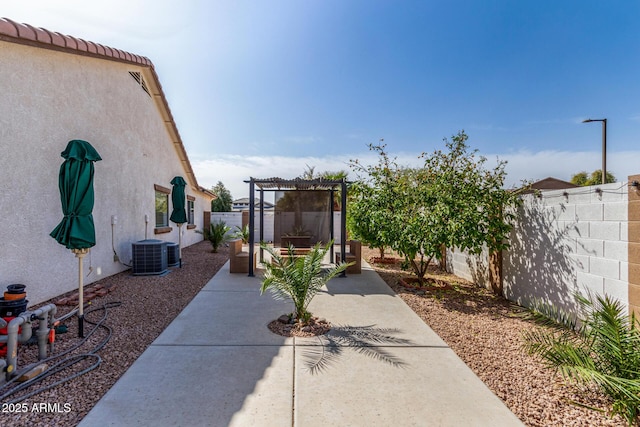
(149, 257)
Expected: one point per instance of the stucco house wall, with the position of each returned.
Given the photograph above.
(49, 97)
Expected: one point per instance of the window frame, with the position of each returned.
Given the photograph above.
(164, 192)
(191, 204)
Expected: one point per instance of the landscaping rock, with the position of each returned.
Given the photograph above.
(284, 319)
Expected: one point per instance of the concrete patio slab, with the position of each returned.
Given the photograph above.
(425, 387)
(346, 304)
(201, 386)
(217, 364)
(225, 281)
(226, 318)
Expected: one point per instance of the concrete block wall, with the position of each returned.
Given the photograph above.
(473, 268)
(568, 241)
(563, 242)
(233, 219)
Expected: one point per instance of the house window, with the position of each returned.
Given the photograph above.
(190, 211)
(162, 209)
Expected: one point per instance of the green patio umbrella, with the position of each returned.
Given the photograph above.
(179, 214)
(76, 231)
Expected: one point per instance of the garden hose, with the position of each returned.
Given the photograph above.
(62, 364)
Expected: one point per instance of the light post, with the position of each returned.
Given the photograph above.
(604, 146)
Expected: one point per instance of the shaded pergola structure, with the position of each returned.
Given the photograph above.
(297, 185)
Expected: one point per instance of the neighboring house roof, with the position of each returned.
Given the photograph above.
(245, 201)
(548, 183)
(26, 34)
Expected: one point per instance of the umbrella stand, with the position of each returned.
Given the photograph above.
(180, 244)
(80, 253)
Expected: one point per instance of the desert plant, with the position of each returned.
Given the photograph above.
(600, 347)
(216, 234)
(298, 277)
(242, 233)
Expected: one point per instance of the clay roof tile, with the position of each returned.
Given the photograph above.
(82, 45)
(8, 27)
(71, 42)
(91, 47)
(26, 32)
(57, 39)
(42, 35)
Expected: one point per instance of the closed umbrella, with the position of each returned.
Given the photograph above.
(76, 231)
(179, 214)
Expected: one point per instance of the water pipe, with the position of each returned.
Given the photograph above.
(24, 319)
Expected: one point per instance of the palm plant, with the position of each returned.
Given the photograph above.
(242, 233)
(216, 234)
(602, 348)
(298, 277)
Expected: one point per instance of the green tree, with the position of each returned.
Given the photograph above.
(362, 219)
(452, 200)
(310, 174)
(223, 200)
(584, 179)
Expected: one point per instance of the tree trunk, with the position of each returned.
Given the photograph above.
(495, 272)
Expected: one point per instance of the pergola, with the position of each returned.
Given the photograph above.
(297, 184)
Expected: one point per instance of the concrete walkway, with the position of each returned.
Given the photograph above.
(217, 364)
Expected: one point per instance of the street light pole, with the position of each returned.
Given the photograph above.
(604, 146)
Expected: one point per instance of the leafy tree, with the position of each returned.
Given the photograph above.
(223, 200)
(453, 200)
(361, 218)
(583, 179)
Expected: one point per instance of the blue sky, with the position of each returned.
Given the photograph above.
(263, 88)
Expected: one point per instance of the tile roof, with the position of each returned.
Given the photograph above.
(27, 34)
(11, 31)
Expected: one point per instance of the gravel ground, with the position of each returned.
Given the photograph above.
(478, 326)
(481, 328)
(147, 305)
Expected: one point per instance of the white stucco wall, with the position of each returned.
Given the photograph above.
(49, 98)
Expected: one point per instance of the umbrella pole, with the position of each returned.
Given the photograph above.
(180, 244)
(80, 253)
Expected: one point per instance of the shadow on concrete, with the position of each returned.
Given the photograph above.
(366, 340)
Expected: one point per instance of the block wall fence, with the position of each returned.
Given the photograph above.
(233, 219)
(580, 240)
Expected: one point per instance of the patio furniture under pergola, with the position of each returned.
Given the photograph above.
(298, 185)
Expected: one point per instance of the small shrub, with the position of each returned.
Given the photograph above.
(601, 348)
(242, 233)
(216, 234)
(298, 278)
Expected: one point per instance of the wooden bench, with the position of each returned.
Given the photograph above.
(354, 254)
(296, 251)
(239, 259)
